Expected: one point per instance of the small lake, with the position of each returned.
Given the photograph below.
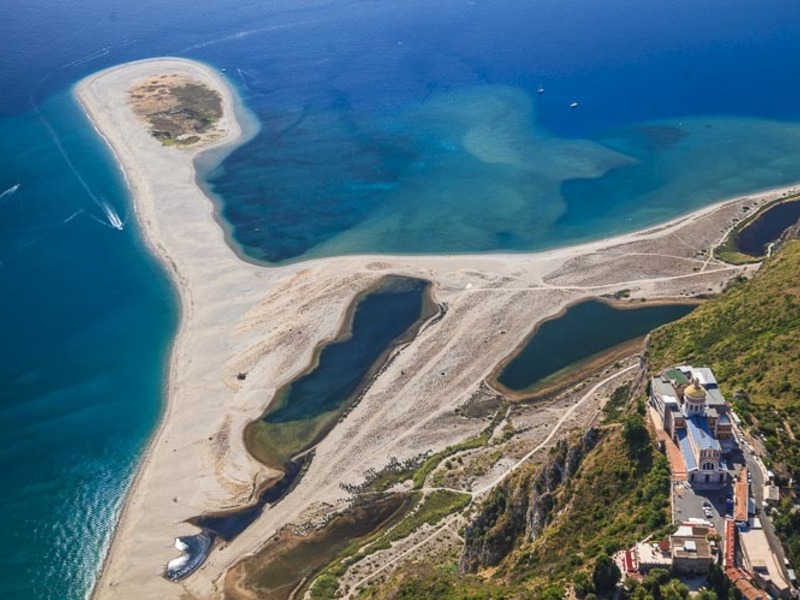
(767, 227)
(308, 407)
(583, 331)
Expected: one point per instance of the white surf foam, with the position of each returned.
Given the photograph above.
(112, 216)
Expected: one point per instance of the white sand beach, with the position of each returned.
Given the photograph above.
(238, 317)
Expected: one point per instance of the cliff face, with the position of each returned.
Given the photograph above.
(521, 507)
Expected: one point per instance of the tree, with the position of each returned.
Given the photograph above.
(635, 434)
(675, 590)
(606, 574)
(581, 584)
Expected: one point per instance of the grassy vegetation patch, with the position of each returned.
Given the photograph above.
(614, 407)
(177, 111)
(429, 464)
(430, 510)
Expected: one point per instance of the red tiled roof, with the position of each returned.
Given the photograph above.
(629, 561)
(730, 543)
(741, 497)
(742, 583)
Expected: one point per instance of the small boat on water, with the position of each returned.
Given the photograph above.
(574, 105)
(540, 90)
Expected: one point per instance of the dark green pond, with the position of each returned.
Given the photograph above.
(585, 330)
(306, 408)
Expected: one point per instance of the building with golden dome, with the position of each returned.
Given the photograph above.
(696, 416)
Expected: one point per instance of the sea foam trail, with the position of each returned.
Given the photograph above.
(110, 218)
(5, 196)
(113, 217)
(85, 59)
(73, 215)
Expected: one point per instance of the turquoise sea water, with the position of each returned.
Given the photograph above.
(387, 127)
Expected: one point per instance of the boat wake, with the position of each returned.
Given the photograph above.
(73, 215)
(8, 193)
(87, 58)
(44, 233)
(111, 217)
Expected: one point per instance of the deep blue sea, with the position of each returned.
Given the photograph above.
(388, 126)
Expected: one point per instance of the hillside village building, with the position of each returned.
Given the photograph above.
(695, 415)
(692, 553)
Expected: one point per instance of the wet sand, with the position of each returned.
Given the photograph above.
(266, 322)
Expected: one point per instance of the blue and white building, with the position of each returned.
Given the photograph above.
(695, 415)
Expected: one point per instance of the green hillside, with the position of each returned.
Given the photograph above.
(619, 494)
(750, 337)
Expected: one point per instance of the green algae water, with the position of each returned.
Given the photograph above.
(583, 331)
(305, 409)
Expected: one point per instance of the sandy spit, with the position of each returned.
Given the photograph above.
(238, 317)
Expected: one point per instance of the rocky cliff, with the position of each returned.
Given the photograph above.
(522, 506)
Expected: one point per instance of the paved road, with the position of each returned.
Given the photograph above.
(757, 493)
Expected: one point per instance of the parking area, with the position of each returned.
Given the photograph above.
(699, 504)
(707, 504)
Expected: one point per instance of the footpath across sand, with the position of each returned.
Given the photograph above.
(241, 318)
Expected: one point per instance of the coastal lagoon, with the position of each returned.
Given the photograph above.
(755, 238)
(305, 409)
(585, 331)
(386, 127)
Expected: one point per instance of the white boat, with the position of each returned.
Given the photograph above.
(540, 90)
(574, 105)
